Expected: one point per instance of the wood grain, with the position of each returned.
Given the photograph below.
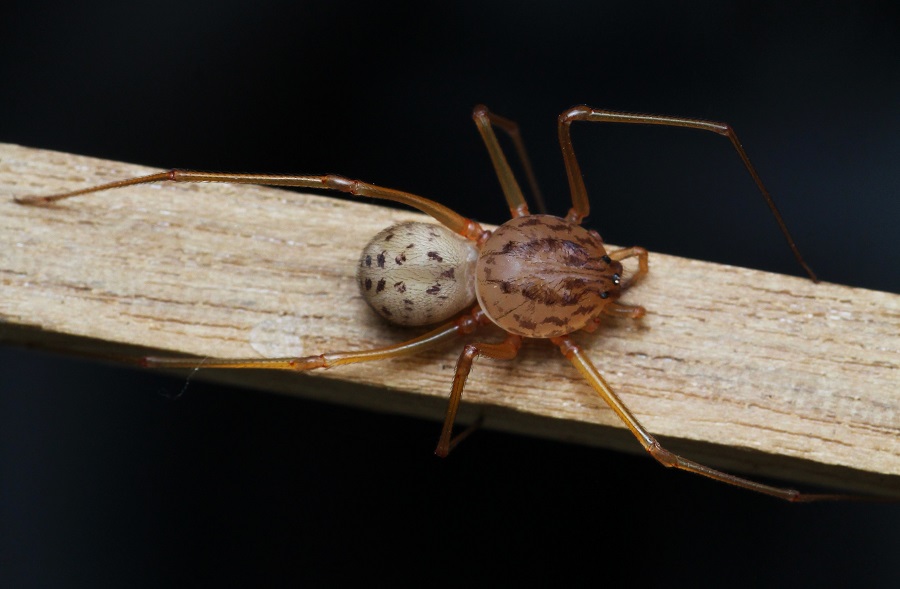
(755, 372)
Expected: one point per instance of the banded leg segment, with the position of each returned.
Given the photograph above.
(669, 459)
(505, 350)
(446, 216)
(486, 121)
(580, 204)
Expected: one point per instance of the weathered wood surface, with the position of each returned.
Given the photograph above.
(757, 372)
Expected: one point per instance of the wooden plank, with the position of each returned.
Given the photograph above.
(754, 372)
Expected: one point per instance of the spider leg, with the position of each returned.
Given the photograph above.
(580, 205)
(643, 265)
(446, 216)
(669, 459)
(505, 350)
(462, 325)
(617, 309)
(486, 121)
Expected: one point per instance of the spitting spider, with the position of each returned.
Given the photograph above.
(537, 276)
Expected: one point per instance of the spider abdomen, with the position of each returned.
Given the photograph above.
(418, 273)
(542, 276)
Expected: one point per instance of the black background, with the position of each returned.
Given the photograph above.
(106, 481)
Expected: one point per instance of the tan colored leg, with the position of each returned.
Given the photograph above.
(580, 205)
(461, 326)
(668, 459)
(446, 216)
(617, 309)
(506, 350)
(486, 120)
(643, 263)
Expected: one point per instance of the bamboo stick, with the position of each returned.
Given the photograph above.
(755, 372)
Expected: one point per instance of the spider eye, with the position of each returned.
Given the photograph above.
(604, 294)
(616, 278)
(606, 260)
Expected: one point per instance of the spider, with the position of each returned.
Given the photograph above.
(536, 276)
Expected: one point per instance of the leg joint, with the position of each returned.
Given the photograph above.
(576, 113)
(341, 183)
(480, 112)
(662, 455)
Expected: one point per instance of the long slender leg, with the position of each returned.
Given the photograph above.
(668, 459)
(486, 120)
(455, 222)
(462, 325)
(505, 350)
(580, 205)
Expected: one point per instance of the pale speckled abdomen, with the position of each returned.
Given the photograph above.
(418, 273)
(542, 276)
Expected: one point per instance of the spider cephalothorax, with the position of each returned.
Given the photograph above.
(542, 276)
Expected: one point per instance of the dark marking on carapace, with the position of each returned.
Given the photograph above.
(380, 286)
(400, 259)
(541, 276)
(552, 320)
(585, 240)
(435, 256)
(573, 254)
(380, 259)
(565, 293)
(524, 323)
(368, 284)
(509, 246)
(434, 289)
(389, 237)
(368, 261)
(400, 286)
(552, 223)
(386, 311)
(449, 274)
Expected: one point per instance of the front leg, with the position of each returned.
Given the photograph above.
(580, 204)
(444, 215)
